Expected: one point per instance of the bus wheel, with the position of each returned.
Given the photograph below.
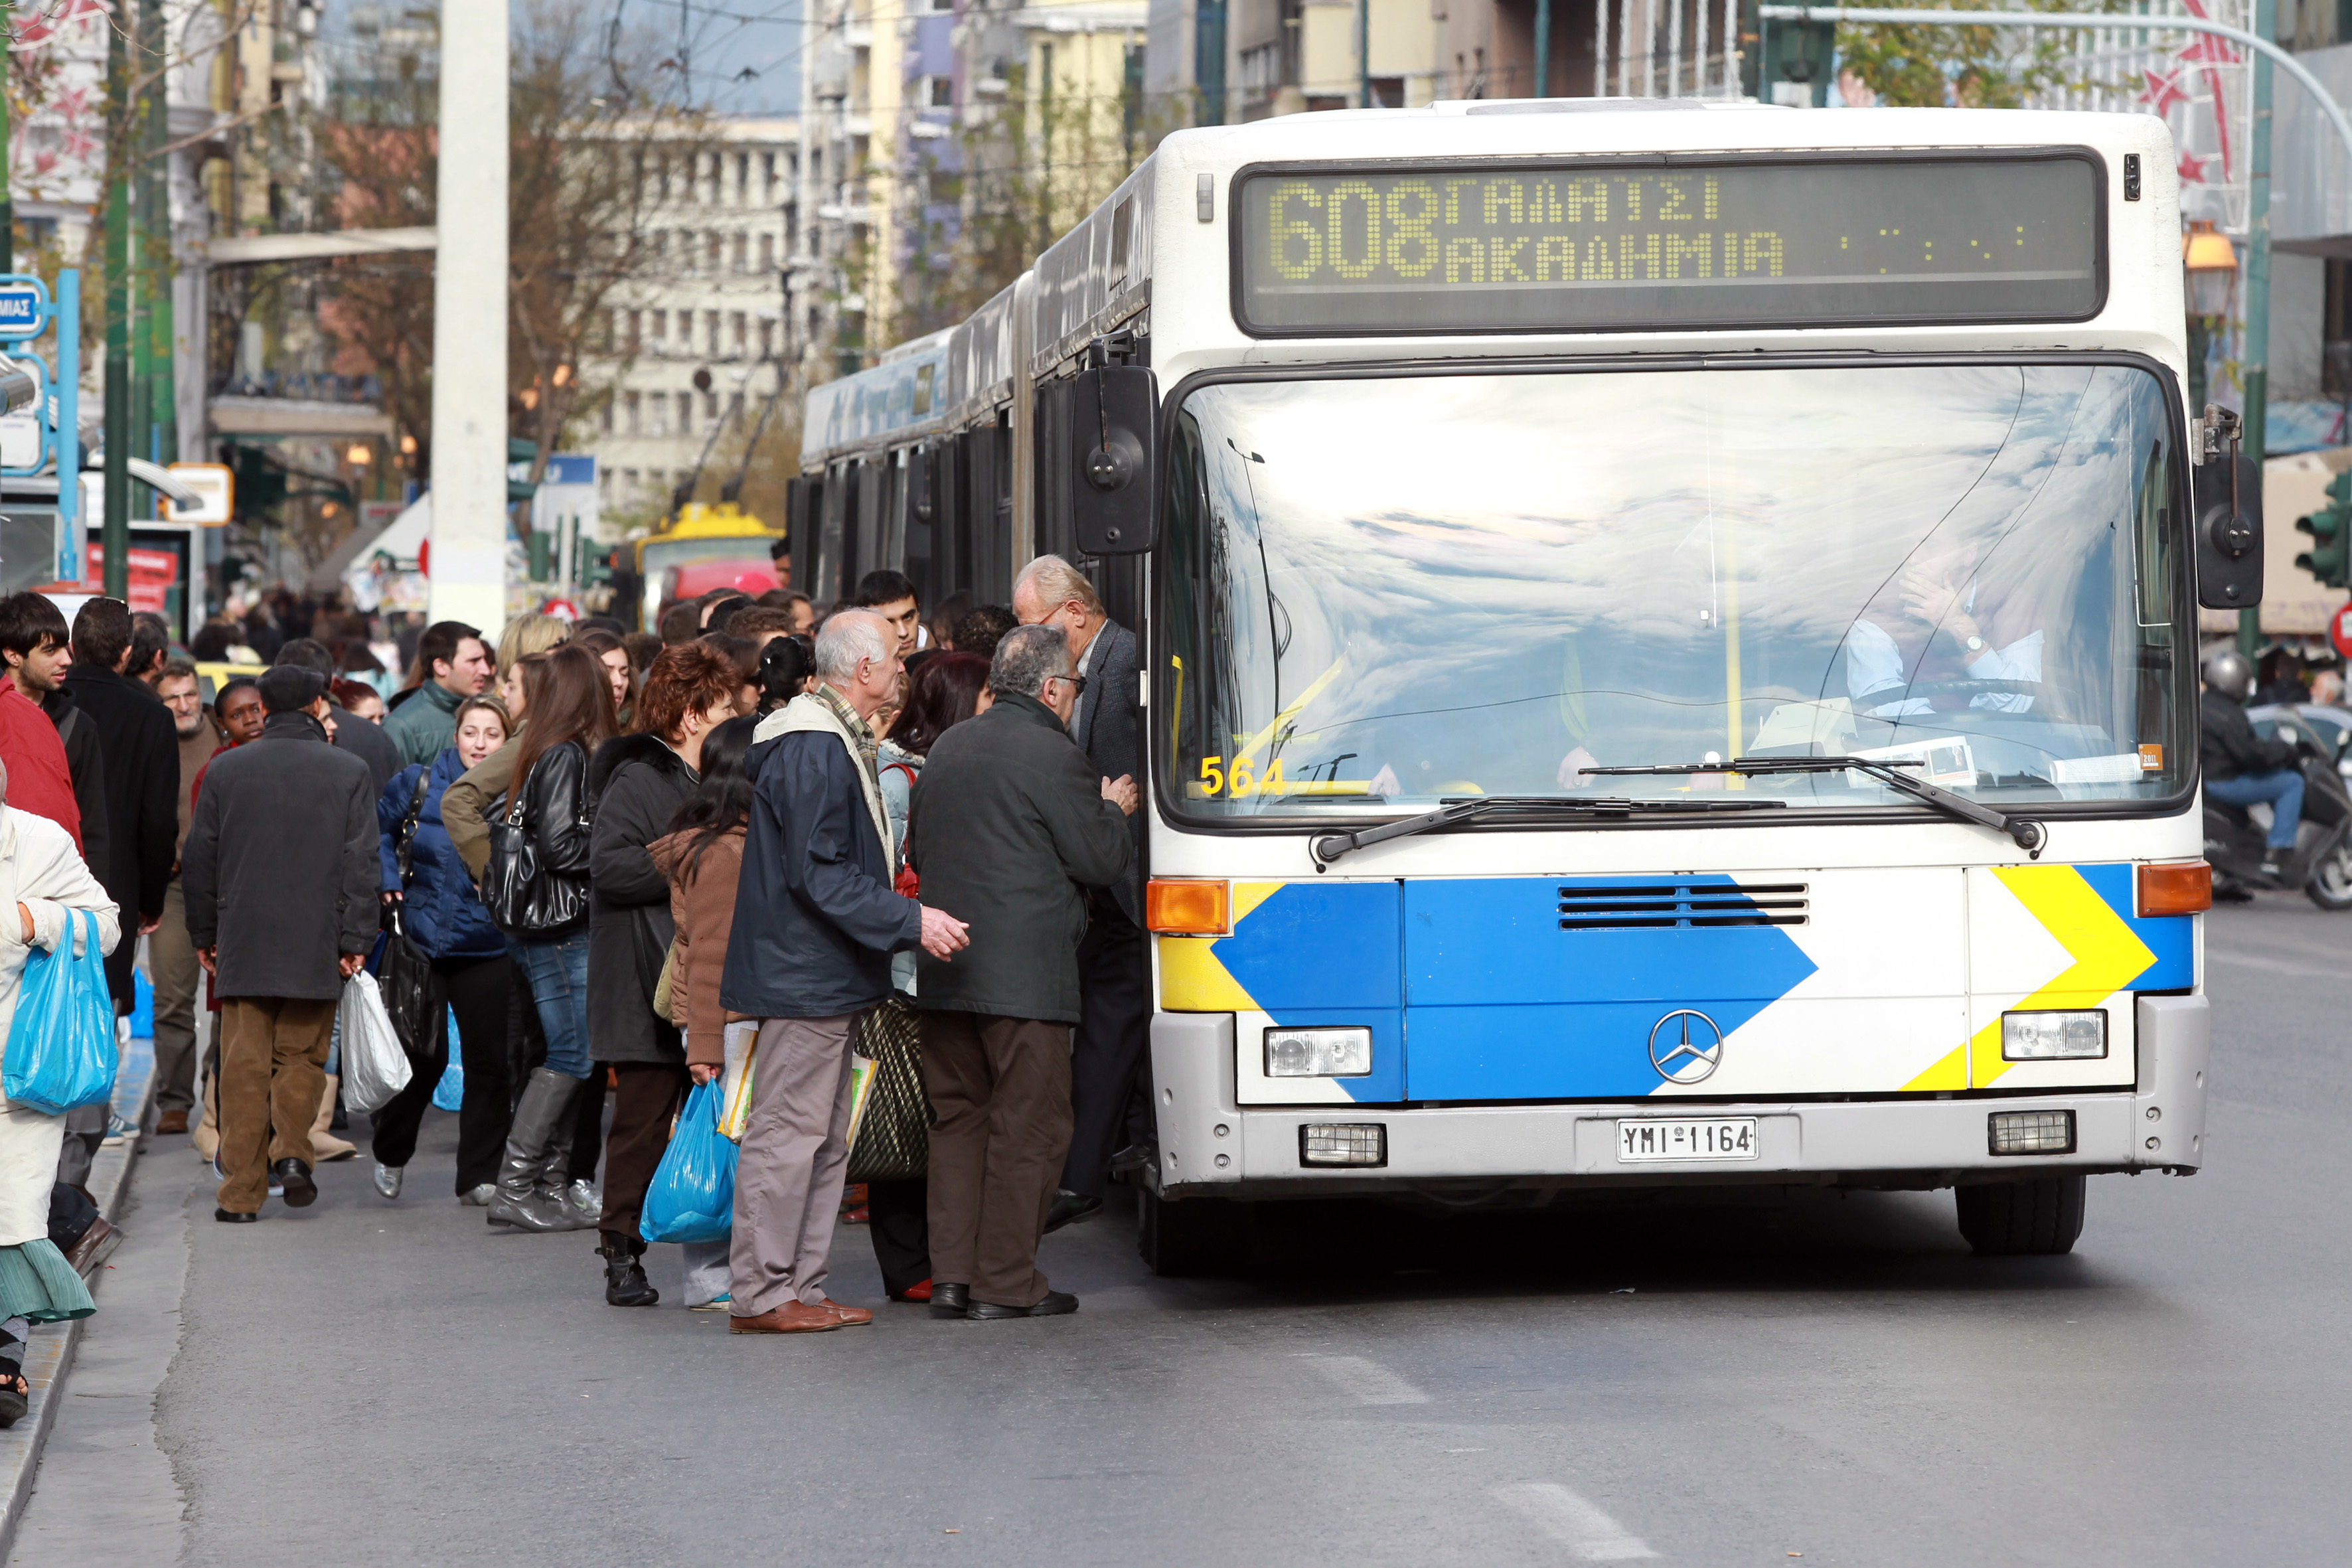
(2040, 1217)
(1199, 1236)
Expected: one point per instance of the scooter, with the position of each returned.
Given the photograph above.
(2236, 839)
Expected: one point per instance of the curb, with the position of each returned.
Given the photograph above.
(49, 1353)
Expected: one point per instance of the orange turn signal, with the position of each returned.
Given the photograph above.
(2176, 890)
(1187, 908)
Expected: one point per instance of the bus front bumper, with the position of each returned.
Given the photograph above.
(1210, 1146)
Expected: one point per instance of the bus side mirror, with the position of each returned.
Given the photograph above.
(2229, 528)
(1113, 445)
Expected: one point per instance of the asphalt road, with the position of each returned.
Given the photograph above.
(368, 1383)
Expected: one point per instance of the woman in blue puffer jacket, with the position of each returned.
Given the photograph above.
(444, 917)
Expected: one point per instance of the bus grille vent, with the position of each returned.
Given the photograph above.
(1671, 907)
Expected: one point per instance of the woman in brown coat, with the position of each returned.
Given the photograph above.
(702, 855)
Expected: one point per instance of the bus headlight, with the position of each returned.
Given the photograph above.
(2052, 1037)
(1318, 1052)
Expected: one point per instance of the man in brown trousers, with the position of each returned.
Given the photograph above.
(280, 872)
(1009, 821)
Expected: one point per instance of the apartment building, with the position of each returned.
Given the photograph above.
(711, 330)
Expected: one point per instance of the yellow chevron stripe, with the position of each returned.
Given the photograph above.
(1190, 978)
(2108, 955)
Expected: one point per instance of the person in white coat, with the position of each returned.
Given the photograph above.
(43, 875)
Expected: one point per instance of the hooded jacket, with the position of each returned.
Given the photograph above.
(635, 784)
(444, 913)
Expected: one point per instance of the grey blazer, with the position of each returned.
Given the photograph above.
(1108, 727)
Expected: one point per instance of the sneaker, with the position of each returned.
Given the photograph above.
(118, 1131)
(716, 1304)
(582, 1195)
(479, 1197)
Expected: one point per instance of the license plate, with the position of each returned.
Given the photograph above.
(1712, 1138)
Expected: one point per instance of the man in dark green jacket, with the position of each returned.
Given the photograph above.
(1009, 820)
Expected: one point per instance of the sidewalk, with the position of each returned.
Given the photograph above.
(48, 1356)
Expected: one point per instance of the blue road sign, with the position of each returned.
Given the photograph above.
(24, 307)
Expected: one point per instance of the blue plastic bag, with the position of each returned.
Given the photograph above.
(693, 1195)
(143, 1006)
(449, 1094)
(61, 1043)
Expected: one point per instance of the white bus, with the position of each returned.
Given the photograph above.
(1670, 641)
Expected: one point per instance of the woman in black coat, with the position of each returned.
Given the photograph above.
(570, 712)
(638, 783)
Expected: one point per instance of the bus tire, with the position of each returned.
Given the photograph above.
(1199, 1236)
(2039, 1217)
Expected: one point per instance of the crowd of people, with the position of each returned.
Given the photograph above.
(776, 837)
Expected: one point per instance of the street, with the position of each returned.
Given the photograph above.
(371, 1382)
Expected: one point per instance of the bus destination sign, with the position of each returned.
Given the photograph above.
(1580, 248)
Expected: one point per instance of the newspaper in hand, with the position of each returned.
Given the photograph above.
(740, 1042)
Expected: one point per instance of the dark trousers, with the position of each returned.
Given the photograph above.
(901, 1230)
(1000, 1090)
(648, 1098)
(273, 1068)
(477, 993)
(1113, 1021)
(588, 1128)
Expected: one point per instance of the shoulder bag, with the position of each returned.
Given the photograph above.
(412, 994)
(524, 901)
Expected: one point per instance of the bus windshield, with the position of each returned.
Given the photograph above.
(1387, 592)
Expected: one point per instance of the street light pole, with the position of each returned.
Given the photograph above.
(2255, 351)
(114, 531)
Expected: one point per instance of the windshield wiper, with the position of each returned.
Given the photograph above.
(2028, 835)
(1329, 846)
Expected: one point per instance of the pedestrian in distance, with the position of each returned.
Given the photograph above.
(613, 655)
(452, 664)
(787, 668)
(280, 872)
(1114, 975)
(948, 689)
(51, 882)
(151, 647)
(638, 784)
(891, 596)
(1010, 822)
(702, 857)
(171, 958)
(816, 923)
(442, 914)
(569, 708)
(977, 631)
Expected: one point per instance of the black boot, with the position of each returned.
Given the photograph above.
(545, 1107)
(625, 1284)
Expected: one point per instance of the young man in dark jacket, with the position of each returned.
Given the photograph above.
(1010, 823)
(143, 776)
(816, 923)
(280, 874)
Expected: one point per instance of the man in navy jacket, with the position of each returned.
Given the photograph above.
(816, 923)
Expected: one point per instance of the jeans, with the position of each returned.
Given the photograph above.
(2282, 788)
(558, 967)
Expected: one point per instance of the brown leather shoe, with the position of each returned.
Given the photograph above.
(172, 1121)
(849, 1317)
(791, 1318)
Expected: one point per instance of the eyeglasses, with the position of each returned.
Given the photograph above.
(1076, 683)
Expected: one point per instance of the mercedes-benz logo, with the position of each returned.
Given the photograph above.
(1685, 1047)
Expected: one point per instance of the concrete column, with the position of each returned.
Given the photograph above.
(469, 322)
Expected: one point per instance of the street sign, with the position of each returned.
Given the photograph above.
(2339, 630)
(24, 307)
(216, 488)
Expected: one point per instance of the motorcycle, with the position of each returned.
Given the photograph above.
(2236, 837)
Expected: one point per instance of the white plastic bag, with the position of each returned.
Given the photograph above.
(374, 1066)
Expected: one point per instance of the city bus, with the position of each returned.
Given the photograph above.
(1670, 643)
(698, 548)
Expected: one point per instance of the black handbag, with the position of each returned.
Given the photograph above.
(523, 899)
(894, 1138)
(411, 992)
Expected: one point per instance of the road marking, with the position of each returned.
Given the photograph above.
(2257, 961)
(1370, 1382)
(1577, 1525)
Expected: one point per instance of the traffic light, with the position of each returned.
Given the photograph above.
(2329, 559)
(520, 454)
(1785, 62)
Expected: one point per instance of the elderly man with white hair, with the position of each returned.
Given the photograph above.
(815, 924)
(44, 876)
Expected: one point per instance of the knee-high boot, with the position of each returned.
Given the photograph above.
(536, 1144)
